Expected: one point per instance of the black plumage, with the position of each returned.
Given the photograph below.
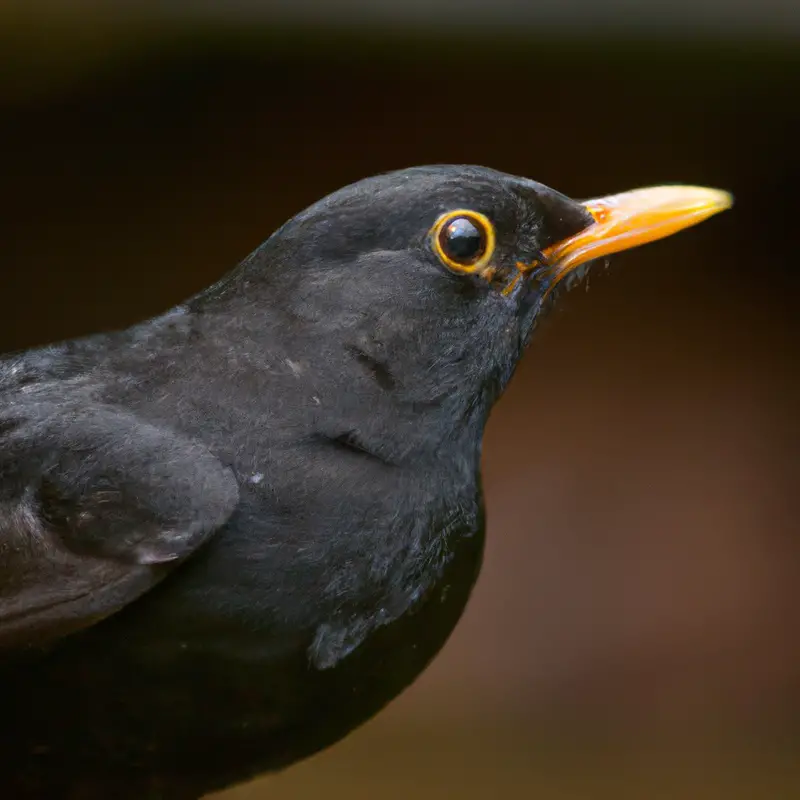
(232, 533)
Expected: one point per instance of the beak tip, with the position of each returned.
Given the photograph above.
(720, 199)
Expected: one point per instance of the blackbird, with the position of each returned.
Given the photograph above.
(232, 533)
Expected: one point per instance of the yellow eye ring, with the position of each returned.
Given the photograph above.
(464, 240)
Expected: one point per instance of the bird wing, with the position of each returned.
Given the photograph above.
(96, 506)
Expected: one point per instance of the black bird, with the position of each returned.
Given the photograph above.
(232, 533)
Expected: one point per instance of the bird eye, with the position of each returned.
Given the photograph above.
(464, 240)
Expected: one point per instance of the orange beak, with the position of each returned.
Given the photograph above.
(632, 218)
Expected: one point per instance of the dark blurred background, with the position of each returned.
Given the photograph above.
(634, 632)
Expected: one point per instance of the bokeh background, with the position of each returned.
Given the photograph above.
(634, 632)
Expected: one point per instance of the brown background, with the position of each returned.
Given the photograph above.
(634, 629)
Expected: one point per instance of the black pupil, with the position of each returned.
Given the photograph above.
(463, 241)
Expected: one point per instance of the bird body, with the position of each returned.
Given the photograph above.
(334, 545)
(232, 533)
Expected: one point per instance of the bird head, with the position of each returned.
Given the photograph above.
(421, 287)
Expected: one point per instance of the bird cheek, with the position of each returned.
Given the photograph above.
(529, 301)
(502, 277)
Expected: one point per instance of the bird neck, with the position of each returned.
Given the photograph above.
(369, 386)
